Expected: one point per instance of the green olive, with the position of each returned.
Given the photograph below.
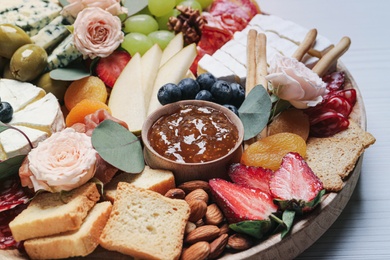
(11, 39)
(7, 74)
(56, 87)
(28, 62)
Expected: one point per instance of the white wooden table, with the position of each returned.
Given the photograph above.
(363, 229)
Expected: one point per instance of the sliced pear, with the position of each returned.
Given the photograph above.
(150, 64)
(174, 70)
(173, 47)
(125, 102)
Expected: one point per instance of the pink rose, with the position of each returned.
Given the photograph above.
(291, 80)
(97, 33)
(76, 6)
(64, 161)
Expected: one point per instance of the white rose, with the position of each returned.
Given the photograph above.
(291, 80)
(64, 161)
(97, 33)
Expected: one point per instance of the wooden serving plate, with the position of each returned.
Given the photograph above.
(304, 232)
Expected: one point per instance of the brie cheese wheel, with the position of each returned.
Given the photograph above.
(36, 114)
(283, 37)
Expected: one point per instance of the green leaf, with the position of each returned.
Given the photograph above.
(118, 146)
(314, 202)
(288, 220)
(64, 2)
(279, 106)
(10, 166)
(3, 127)
(134, 6)
(255, 111)
(254, 228)
(75, 71)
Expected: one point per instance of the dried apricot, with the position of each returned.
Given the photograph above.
(269, 151)
(82, 109)
(86, 88)
(291, 120)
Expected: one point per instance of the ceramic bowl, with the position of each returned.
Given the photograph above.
(192, 171)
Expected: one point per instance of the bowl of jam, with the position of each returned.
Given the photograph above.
(196, 140)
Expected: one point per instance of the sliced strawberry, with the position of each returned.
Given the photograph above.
(250, 176)
(108, 69)
(240, 203)
(294, 185)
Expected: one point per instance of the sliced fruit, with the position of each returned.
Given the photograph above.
(82, 109)
(89, 87)
(172, 71)
(108, 69)
(250, 176)
(269, 151)
(150, 64)
(294, 185)
(173, 47)
(125, 102)
(240, 203)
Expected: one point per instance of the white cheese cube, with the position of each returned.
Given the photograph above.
(209, 64)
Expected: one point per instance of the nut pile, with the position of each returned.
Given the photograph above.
(207, 234)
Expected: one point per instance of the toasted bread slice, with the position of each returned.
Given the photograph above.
(332, 159)
(53, 213)
(145, 224)
(80, 242)
(151, 179)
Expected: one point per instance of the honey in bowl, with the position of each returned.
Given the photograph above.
(195, 139)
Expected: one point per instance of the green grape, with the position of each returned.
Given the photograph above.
(193, 4)
(163, 20)
(162, 38)
(205, 3)
(161, 7)
(141, 23)
(136, 42)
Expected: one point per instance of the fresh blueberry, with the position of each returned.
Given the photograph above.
(6, 112)
(189, 88)
(232, 108)
(204, 95)
(221, 91)
(238, 94)
(169, 93)
(206, 80)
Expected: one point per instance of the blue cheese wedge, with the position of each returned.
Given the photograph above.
(63, 54)
(52, 34)
(36, 114)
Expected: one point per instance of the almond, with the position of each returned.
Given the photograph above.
(217, 246)
(198, 194)
(224, 229)
(203, 233)
(197, 251)
(193, 185)
(239, 241)
(198, 209)
(190, 226)
(175, 193)
(214, 215)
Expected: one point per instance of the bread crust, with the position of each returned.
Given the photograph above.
(54, 213)
(145, 224)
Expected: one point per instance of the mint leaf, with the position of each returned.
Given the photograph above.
(288, 220)
(255, 111)
(10, 166)
(254, 228)
(118, 146)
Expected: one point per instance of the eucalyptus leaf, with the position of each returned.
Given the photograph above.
(3, 127)
(63, 2)
(10, 166)
(255, 111)
(134, 6)
(254, 228)
(118, 146)
(288, 219)
(75, 71)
